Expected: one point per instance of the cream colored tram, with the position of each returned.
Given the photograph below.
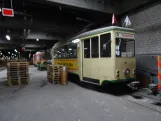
(99, 56)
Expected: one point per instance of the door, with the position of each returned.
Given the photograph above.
(90, 58)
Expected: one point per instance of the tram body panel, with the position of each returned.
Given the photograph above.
(125, 63)
(72, 64)
(107, 69)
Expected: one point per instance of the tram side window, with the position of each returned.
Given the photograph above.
(105, 45)
(72, 50)
(64, 51)
(125, 47)
(94, 47)
(57, 53)
(87, 48)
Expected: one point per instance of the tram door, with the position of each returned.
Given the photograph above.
(90, 66)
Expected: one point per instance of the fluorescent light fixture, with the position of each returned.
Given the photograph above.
(76, 40)
(15, 50)
(8, 37)
(70, 48)
(37, 39)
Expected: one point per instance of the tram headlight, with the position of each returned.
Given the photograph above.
(127, 71)
(117, 73)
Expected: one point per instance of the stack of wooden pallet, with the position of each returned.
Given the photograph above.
(53, 73)
(17, 73)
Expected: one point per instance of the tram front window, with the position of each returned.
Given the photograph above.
(125, 47)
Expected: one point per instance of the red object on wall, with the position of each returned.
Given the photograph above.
(22, 49)
(7, 12)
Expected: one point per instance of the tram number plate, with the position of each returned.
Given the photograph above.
(125, 35)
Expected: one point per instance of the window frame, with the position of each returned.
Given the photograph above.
(127, 39)
(97, 45)
(89, 48)
(100, 43)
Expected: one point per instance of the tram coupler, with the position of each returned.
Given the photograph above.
(134, 85)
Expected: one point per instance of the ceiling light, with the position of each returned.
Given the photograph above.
(0, 9)
(70, 48)
(8, 37)
(37, 39)
(15, 50)
(76, 40)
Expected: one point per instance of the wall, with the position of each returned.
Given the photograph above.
(129, 4)
(147, 23)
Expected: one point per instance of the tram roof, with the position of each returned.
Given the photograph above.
(96, 31)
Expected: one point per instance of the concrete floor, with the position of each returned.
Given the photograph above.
(42, 101)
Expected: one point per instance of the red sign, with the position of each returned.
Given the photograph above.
(7, 12)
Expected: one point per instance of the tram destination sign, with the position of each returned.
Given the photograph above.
(125, 35)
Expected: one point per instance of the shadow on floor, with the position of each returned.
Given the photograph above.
(113, 89)
(137, 97)
(43, 83)
(3, 83)
(157, 104)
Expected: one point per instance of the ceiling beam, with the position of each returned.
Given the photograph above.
(43, 36)
(96, 5)
(32, 46)
(2, 41)
(48, 26)
(18, 42)
(30, 50)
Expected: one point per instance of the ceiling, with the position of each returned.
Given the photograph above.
(51, 21)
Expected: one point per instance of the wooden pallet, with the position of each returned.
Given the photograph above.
(17, 73)
(53, 73)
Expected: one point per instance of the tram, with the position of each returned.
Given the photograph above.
(37, 58)
(100, 56)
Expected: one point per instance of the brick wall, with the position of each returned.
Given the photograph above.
(147, 24)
